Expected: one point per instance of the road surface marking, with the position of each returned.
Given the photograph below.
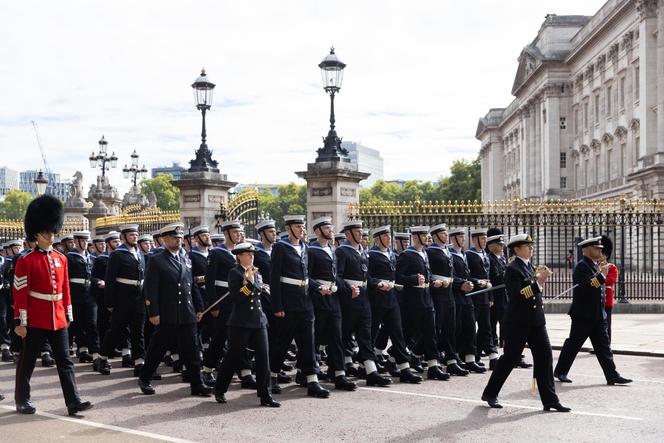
(661, 382)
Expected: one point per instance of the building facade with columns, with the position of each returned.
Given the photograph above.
(584, 122)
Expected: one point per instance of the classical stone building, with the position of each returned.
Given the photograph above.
(584, 121)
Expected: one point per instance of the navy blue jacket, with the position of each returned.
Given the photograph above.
(322, 266)
(286, 261)
(352, 264)
(382, 268)
(588, 297)
(479, 266)
(247, 311)
(524, 305)
(441, 263)
(409, 264)
(123, 264)
(461, 275)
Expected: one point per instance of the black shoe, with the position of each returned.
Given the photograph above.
(146, 387)
(25, 408)
(618, 381)
(201, 391)
(523, 364)
(85, 357)
(81, 406)
(127, 361)
(269, 402)
(47, 361)
(563, 378)
(102, 366)
(361, 373)
(473, 367)
(286, 367)
(7, 356)
(177, 366)
(314, 389)
(492, 364)
(274, 386)
(324, 376)
(455, 369)
(492, 401)
(375, 379)
(282, 377)
(416, 365)
(381, 368)
(343, 384)
(435, 373)
(208, 378)
(479, 363)
(220, 397)
(558, 407)
(248, 382)
(301, 379)
(351, 370)
(116, 353)
(407, 376)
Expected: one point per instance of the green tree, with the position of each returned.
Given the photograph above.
(14, 205)
(290, 199)
(464, 182)
(168, 196)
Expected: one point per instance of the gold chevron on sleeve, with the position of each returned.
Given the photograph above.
(246, 291)
(527, 292)
(595, 282)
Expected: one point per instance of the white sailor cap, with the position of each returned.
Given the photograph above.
(294, 219)
(67, 237)
(113, 235)
(351, 224)
(457, 231)
(83, 235)
(200, 229)
(321, 221)
(98, 238)
(231, 224)
(265, 224)
(418, 230)
(365, 233)
(340, 236)
(144, 238)
(128, 228)
(173, 230)
(438, 228)
(243, 247)
(217, 237)
(477, 232)
(594, 241)
(495, 239)
(519, 239)
(15, 242)
(375, 232)
(401, 236)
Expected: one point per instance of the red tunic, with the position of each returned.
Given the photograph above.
(611, 279)
(41, 290)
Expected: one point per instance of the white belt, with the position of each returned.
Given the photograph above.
(80, 281)
(128, 281)
(222, 283)
(47, 297)
(440, 277)
(328, 284)
(358, 283)
(294, 281)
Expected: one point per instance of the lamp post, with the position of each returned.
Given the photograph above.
(41, 183)
(102, 159)
(134, 172)
(332, 73)
(203, 89)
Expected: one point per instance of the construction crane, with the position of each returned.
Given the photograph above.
(47, 170)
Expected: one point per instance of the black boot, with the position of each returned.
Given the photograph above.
(79, 406)
(84, 357)
(201, 391)
(351, 370)
(248, 382)
(177, 366)
(168, 360)
(282, 377)
(375, 379)
(7, 356)
(220, 397)
(563, 378)
(25, 408)
(523, 364)
(407, 376)
(314, 389)
(558, 407)
(146, 387)
(269, 402)
(102, 366)
(47, 361)
(343, 384)
(301, 379)
(492, 401)
(474, 367)
(208, 378)
(618, 381)
(492, 364)
(127, 361)
(455, 369)
(435, 373)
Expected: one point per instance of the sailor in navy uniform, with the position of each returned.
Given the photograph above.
(465, 311)
(385, 309)
(12, 249)
(99, 246)
(199, 265)
(217, 239)
(525, 323)
(338, 239)
(293, 307)
(157, 244)
(442, 275)
(401, 242)
(495, 246)
(84, 326)
(414, 274)
(174, 307)
(145, 244)
(479, 266)
(588, 315)
(123, 296)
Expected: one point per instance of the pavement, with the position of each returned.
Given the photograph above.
(432, 411)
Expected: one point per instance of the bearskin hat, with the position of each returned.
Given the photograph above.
(493, 231)
(607, 246)
(44, 214)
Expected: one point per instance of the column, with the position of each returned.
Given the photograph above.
(648, 48)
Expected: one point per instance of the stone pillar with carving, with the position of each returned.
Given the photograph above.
(201, 194)
(75, 207)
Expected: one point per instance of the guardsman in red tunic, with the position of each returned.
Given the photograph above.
(42, 305)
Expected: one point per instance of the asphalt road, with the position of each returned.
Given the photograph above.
(432, 411)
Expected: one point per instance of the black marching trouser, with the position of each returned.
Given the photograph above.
(357, 323)
(497, 313)
(599, 337)
(5, 320)
(84, 326)
(446, 330)
(329, 331)
(484, 334)
(239, 339)
(516, 337)
(465, 331)
(387, 321)
(122, 316)
(103, 317)
(298, 325)
(422, 331)
(217, 348)
(31, 348)
(608, 321)
(185, 339)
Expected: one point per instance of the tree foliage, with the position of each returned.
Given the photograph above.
(168, 196)
(14, 205)
(291, 199)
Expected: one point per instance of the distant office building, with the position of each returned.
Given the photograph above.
(174, 171)
(55, 187)
(271, 188)
(367, 160)
(8, 180)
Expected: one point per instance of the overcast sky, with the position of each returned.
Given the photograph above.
(419, 75)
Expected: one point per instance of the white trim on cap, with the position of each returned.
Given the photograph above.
(499, 237)
(437, 228)
(402, 236)
(113, 235)
(294, 219)
(457, 231)
(231, 224)
(591, 242)
(321, 221)
(265, 224)
(129, 227)
(477, 231)
(519, 238)
(418, 229)
(380, 230)
(85, 234)
(352, 224)
(172, 227)
(200, 228)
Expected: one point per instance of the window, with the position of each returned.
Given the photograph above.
(587, 172)
(577, 128)
(585, 115)
(608, 101)
(621, 160)
(563, 123)
(596, 106)
(637, 90)
(610, 165)
(563, 182)
(621, 93)
(563, 160)
(597, 167)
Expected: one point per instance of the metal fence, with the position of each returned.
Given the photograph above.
(635, 226)
(13, 229)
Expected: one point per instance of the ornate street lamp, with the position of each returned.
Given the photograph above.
(203, 89)
(332, 74)
(102, 159)
(41, 183)
(134, 172)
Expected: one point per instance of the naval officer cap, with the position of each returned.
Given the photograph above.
(81, 235)
(113, 235)
(200, 229)
(401, 236)
(499, 238)
(418, 230)
(293, 219)
(265, 224)
(124, 229)
(15, 242)
(173, 230)
(457, 231)
(477, 232)
(375, 232)
(519, 240)
(321, 221)
(351, 224)
(241, 248)
(594, 241)
(145, 237)
(438, 228)
(231, 224)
